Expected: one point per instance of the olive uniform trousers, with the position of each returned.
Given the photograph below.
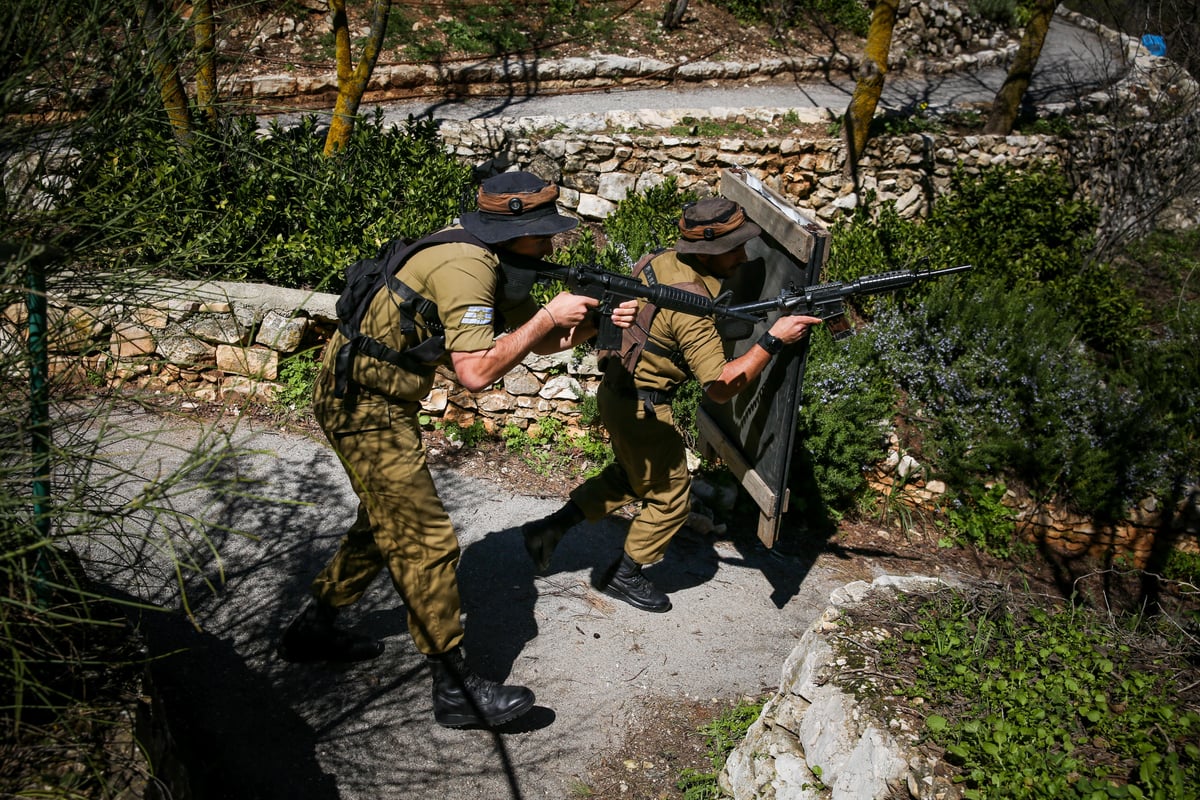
(650, 465)
(401, 525)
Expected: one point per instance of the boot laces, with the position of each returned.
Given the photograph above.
(481, 688)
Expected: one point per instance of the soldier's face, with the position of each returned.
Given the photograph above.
(531, 246)
(724, 265)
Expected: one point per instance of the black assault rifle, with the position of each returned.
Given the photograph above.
(825, 300)
(611, 289)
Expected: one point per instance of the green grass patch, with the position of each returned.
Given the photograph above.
(1032, 703)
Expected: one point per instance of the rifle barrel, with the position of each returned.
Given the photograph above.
(890, 281)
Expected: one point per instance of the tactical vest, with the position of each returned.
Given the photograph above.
(364, 280)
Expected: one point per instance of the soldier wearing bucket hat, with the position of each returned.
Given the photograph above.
(454, 300)
(635, 403)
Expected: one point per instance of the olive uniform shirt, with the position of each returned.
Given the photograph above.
(650, 464)
(462, 280)
(694, 338)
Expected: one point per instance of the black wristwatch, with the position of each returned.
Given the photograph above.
(772, 344)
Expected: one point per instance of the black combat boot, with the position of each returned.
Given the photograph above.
(543, 535)
(462, 698)
(625, 581)
(312, 636)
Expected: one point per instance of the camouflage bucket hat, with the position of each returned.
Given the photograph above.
(713, 226)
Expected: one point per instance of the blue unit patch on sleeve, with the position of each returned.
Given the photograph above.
(478, 315)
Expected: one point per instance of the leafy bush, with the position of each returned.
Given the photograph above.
(1002, 12)
(999, 387)
(991, 364)
(1161, 377)
(845, 400)
(297, 375)
(549, 449)
(980, 518)
(1030, 229)
(1026, 228)
(642, 222)
(505, 27)
(784, 15)
(242, 205)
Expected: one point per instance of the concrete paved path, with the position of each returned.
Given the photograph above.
(258, 512)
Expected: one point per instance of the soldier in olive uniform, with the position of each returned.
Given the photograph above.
(370, 417)
(635, 403)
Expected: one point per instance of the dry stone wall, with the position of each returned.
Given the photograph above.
(217, 342)
(226, 342)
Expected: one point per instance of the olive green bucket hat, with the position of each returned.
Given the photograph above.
(516, 204)
(713, 226)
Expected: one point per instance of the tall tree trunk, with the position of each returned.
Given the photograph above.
(870, 80)
(673, 15)
(352, 83)
(1007, 104)
(206, 61)
(165, 68)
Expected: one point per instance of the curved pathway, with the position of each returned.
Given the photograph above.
(1074, 61)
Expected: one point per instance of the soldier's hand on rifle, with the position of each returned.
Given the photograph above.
(624, 314)
(792, 329)
(568, 310)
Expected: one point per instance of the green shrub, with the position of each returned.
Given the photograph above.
(504, 27)
(245, 205)
(1030, 229)
(684, 406)
(783, 15)
(550, 450)
(642, 222)
(1002, 12)
(1162, 378)
(1031, 703)
(297, 375)
(993, 364)
(1026, 228)
(978, 517)
(999, 389)
(845, 401)
(866, 244)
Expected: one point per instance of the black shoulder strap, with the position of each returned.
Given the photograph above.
(412, 301)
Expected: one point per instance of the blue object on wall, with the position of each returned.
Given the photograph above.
(1154, 44)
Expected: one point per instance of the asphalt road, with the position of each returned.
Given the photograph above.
(254, 513)
(1073, 62)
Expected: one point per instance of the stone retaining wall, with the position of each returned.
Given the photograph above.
(225, 343)
(220, 342)
(1124, 168)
